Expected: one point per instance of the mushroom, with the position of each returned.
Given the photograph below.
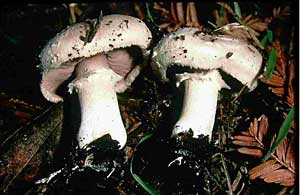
(202, 56)
(99, 52)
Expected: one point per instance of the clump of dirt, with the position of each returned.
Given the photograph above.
(96, 169)
(181, 165)
(190, 171)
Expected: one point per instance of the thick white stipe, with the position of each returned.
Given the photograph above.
(199, 103)
(100, 112)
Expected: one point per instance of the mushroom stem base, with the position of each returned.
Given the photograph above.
(199, 108)
(100, 112)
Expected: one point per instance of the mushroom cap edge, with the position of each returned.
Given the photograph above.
(193, 48)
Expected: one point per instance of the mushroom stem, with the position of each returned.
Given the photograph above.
(199, 106)
(100, 112)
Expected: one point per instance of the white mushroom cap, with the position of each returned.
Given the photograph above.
(195, 49)
(205, 54)
(114, 31)
(67, 48)
(103, 51)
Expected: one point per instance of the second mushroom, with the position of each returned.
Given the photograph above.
(202, 56)
(102, 52)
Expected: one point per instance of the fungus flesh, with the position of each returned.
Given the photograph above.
(103, 67)
(205, 55)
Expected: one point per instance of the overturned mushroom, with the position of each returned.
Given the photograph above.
(100, 51)
(204, 55)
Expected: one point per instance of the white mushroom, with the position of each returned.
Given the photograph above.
(98, 50)
(204, 54)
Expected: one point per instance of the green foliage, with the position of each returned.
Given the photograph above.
(271, 63)
(283, 131)
(272, 56)
(268, 37)
(237, 9)
(146, 186)
(137, 178)
(264, 41)
(149, 15)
